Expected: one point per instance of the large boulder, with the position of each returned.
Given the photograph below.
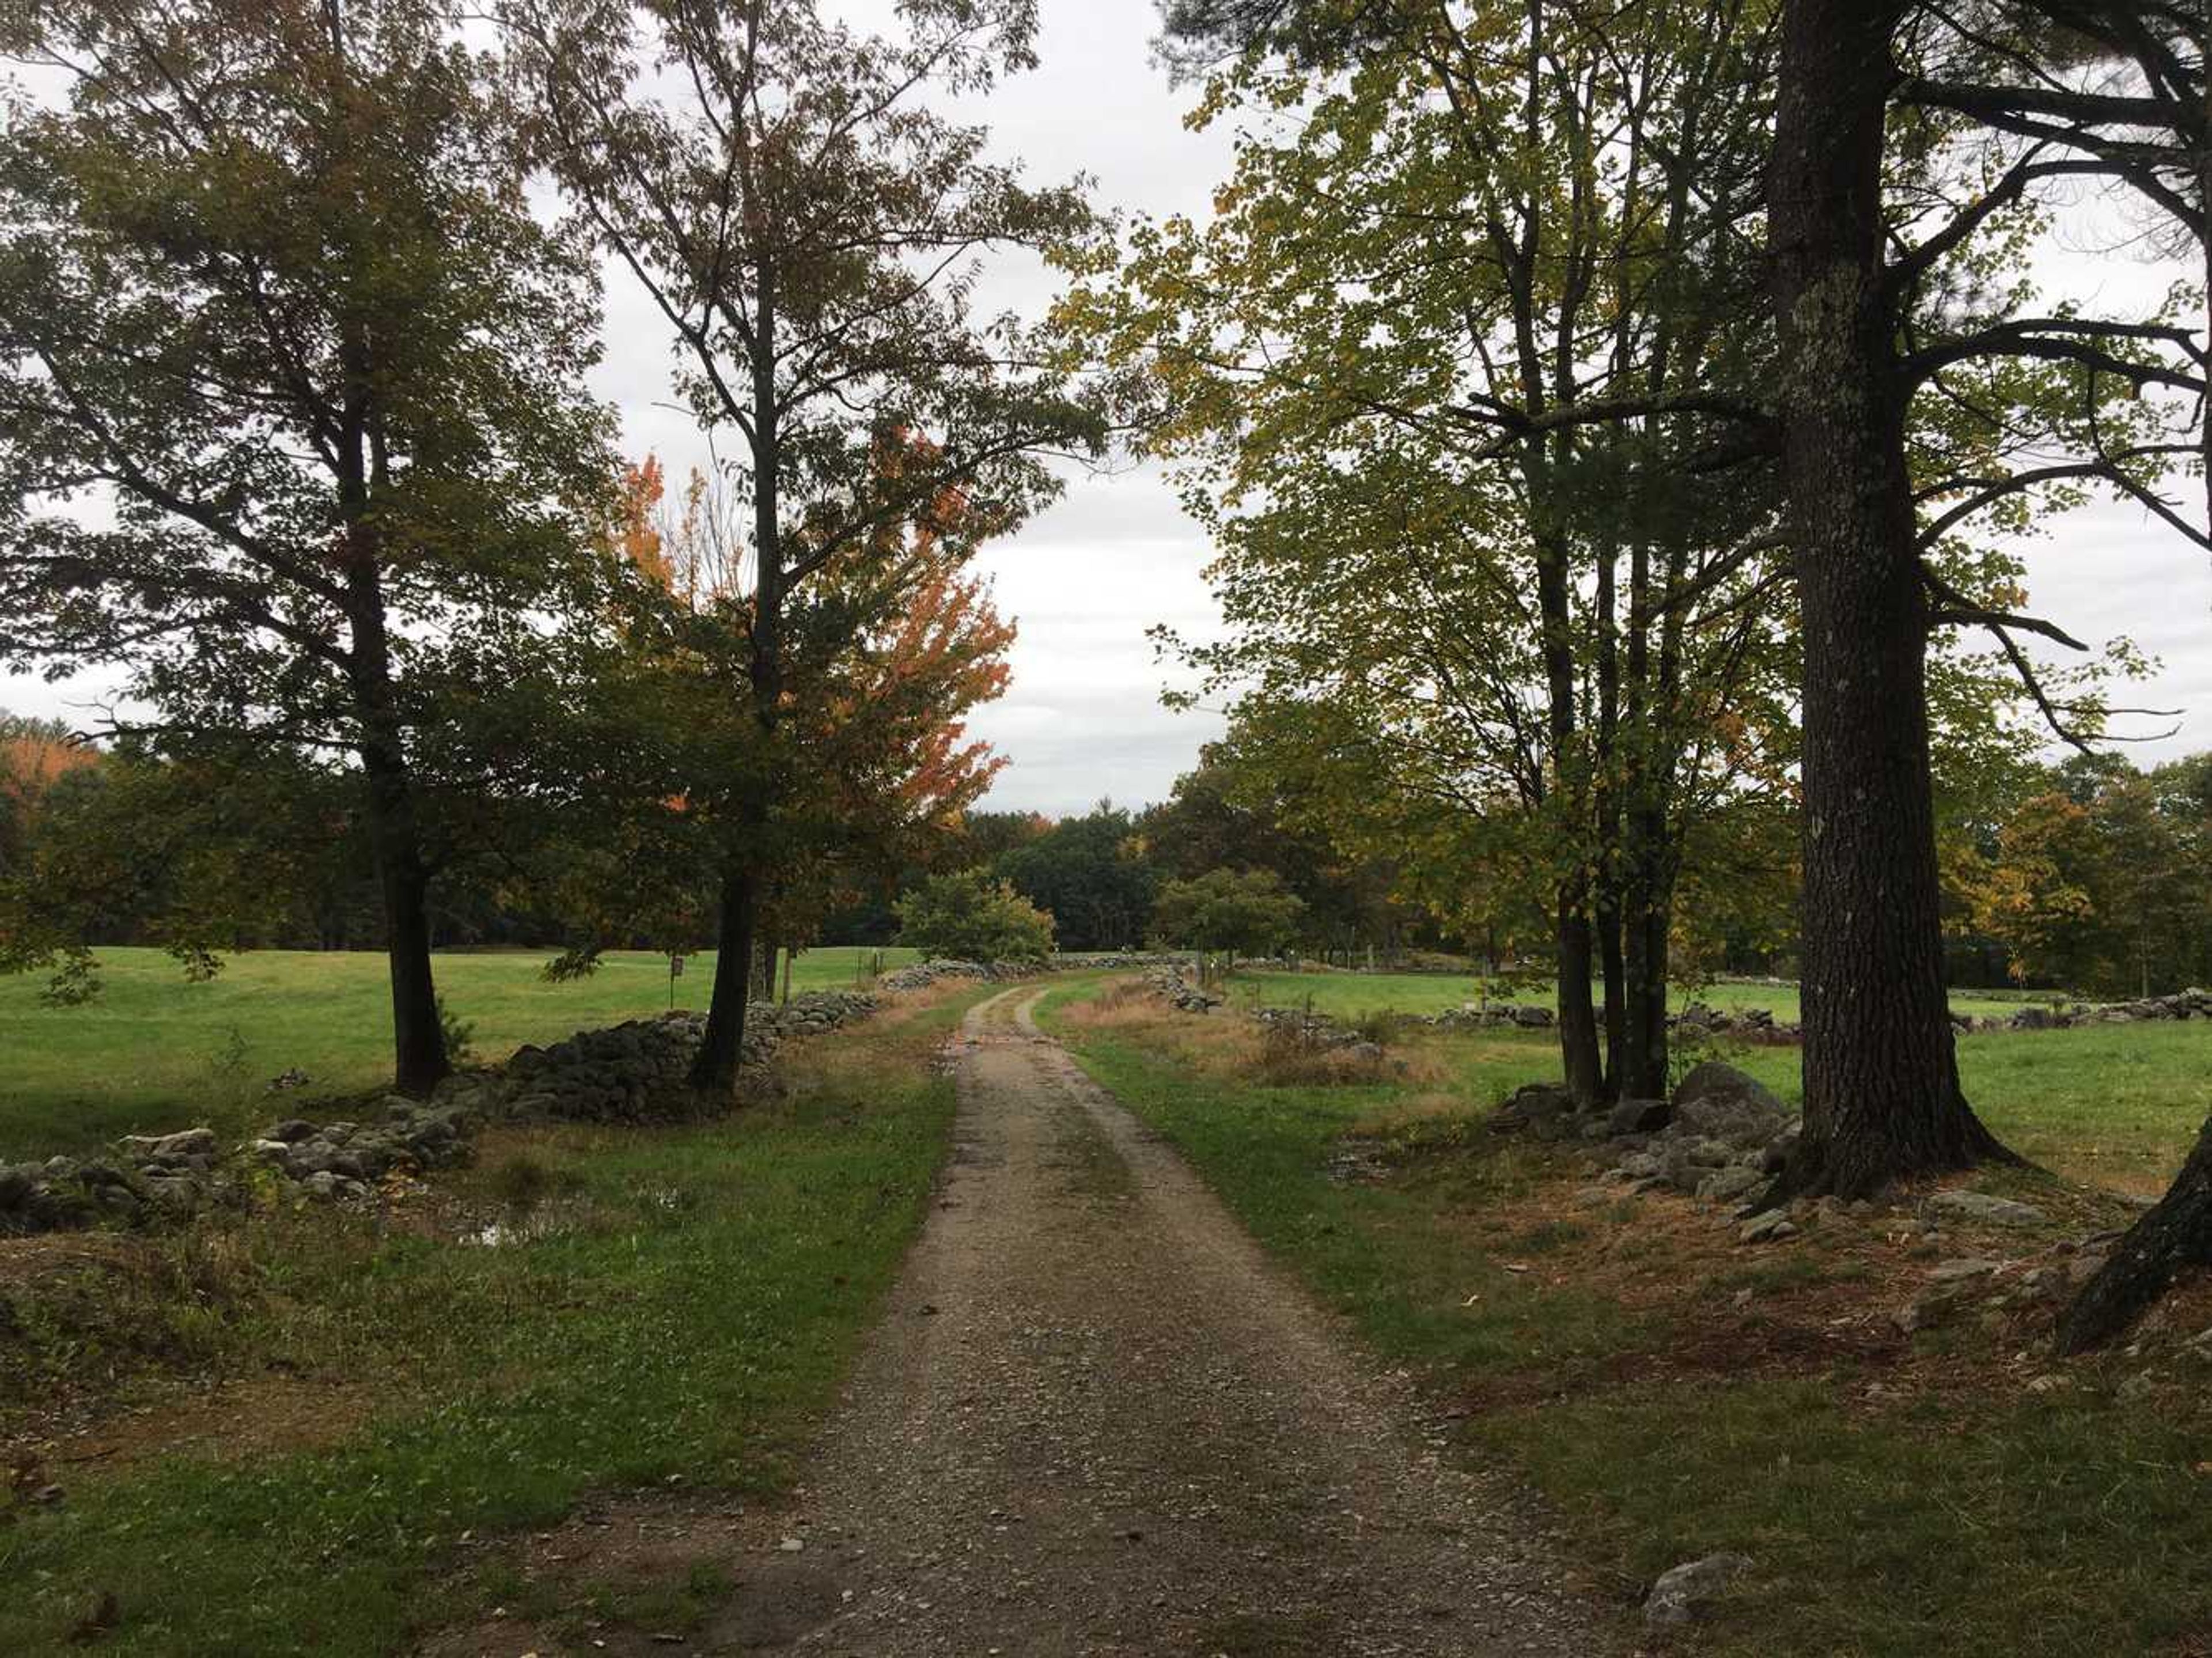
(1538, 1108)
(1718, 1102)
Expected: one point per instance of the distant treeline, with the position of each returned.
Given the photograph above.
(2090, 875)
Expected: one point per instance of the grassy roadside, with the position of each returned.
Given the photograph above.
(673, 1305)
(156, 1052)
(1673, 1395)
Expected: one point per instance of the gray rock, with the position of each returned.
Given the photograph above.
(1769, 1228)
(1966, 1269)
(1949, 1287)
(1532, 1107)
(1730, 1183)
(1639, 1117)
(1718, 1102)
(1682, 1594)
(167, 1148)
(1981, 1206)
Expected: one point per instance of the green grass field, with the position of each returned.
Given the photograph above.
(682, 1311)
(2115, 1105)
(1672, 1396)
(156, 1052)
(1351, 995)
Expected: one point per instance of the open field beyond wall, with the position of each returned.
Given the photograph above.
(155, 1052)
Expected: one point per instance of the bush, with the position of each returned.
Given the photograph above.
(1246, 912)
(971, 918)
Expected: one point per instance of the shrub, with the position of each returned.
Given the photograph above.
(1246, 912)
(969, 917)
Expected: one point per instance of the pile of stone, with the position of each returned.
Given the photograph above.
(1747, 1025)
(1172, 988)
(921, 974)
(174, 1174)
(1721, 1135)
(2182, 1005)
(1492, 1017)
(1317, 1031)
(633, 1073)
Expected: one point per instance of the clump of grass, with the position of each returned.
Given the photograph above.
(106, 1309)
(521, 1180)
(1117, 1005)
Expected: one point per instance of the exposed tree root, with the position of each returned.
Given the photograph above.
(2175, 1233)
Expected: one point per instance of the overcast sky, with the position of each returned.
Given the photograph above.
(1116, 555)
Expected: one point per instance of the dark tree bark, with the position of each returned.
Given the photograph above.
(1881, 1092)
(420, 1060)
(721, 1049)
(1578, 1043)
(2176, 1234)
(1647, 922)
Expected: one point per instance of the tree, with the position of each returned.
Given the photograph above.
(893, 649)
(808, 229)
(1090, 874)
(33, 755)
(1477, 221)
(291, 425)
(970, 917)
(1849, 261)
(1921, 393)
(1244, 914)
(199, 855)
(1231, 812)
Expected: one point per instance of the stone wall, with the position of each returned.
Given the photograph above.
(631, 1074)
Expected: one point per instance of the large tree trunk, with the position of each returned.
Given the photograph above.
(1881, 1092)
(2178, 1233)
(1646, 924)
(418, 1038)
(721, 1049)
(1578, 1044)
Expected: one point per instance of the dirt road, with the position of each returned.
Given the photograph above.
(1096, 1420)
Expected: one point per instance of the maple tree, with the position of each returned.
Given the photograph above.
(808, 227)
(895, 645)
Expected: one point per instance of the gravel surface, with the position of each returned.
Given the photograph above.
(1096, 1420)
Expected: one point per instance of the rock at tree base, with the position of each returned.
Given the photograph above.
(1720, 1103)
(1983, 1206)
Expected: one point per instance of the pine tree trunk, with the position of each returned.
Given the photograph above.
(1647, 923)
(1881, 1093)
(721, 1049)
(2178, 1233)
(420, 1061)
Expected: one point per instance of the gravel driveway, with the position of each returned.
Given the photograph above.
(1096, 1420)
